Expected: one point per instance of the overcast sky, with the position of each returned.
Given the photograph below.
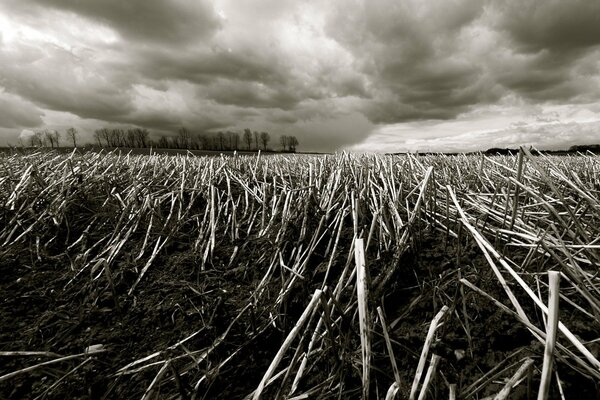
(376, 75)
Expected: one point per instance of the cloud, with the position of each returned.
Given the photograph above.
(344, 69)
(203, 65)
(554, 25)
(411, 53)
(58, 79)
(172, 22)
(548, 50)
(439, 59)
(18, 113)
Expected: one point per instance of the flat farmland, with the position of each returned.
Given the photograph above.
(339, 276)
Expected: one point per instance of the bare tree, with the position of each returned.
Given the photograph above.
(256, 140)
(52, 137)
(195, 142)
(293, 142)
(183, 138)
(221, 140)
(72, 134)
(105, 135)
(205, 142)
(284, 142)
(49, 136)
(130, 138)
(118, 137)
(234, 140)
(141, 136)
(248, 138)
(37, 139)
(110, 136)
(113, 138)
(163, 142)
(265, 138)
(98, 137)
(229, 140)
(44, 139)
(57, 137)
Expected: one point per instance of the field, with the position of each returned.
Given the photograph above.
(299, 277)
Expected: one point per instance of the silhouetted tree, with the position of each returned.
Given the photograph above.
(234, 140)
(293, 142)
(102, 135)
(57, 136)
(112, 138)
(97, 137)
(120, 137)
(195, 142)
(37, 139)
(141, 137)
(256, 140)
(130, 140)
(163, 142)
(248, 138)
(72, 134)
(221, 140)
(284, 142)
(265, 138)
(183, 138)
(51, 137)
(204, 142)
(106, 135)
(47, 135)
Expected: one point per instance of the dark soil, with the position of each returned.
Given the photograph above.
(41, 311)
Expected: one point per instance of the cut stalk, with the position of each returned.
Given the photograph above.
(388, 343)
(392, 391)
(435, 359)
(551, 331)
(286, 344)
(362, 292)
(428, 341)
(503, 394)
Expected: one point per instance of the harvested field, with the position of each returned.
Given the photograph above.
(299, 277)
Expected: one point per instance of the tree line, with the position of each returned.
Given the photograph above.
(50, 138)
(184, 139)
(225, 141)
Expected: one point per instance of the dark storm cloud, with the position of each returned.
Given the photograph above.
(252, 94)
(553, 44)
(204, 65)
(172, 22)
(546, 77)
(283, 118)
(438, 59)
(566, 26)
(55, 79)
(411, 53)
(16, 113)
